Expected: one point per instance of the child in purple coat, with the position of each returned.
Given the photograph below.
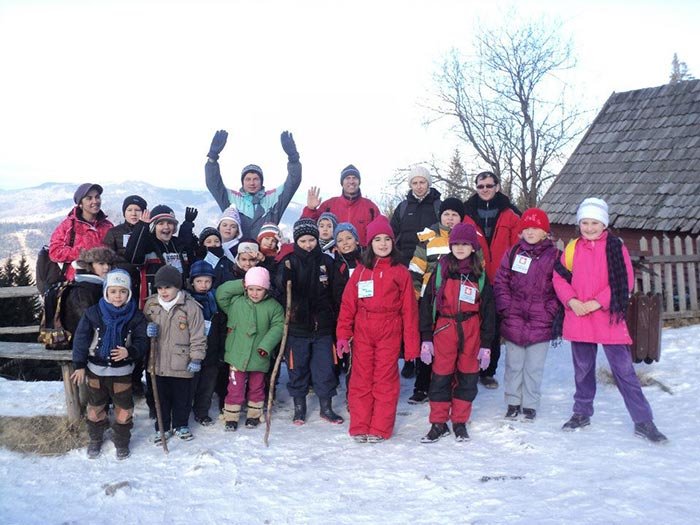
(527, 304)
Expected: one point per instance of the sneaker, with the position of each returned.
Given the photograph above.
(513, 412)
(649, 431)
(460, 430)
(408, 370)
(529, 414)
(577, 421)
(360, 438)
(231, 426)
(489, 382)
(123, 453)
(252, 422)
(184, 433)
(418, 398)
(437, 430)
(204, 421)
(157, 439)
(94, 449)
(371, 438)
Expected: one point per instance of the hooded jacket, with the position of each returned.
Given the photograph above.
(412, 216)
(358, 211)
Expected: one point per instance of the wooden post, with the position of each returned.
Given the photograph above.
(680, 274)
(656, 250)
(692, 280)
(71, 392)
(646, 276)
(668, 277)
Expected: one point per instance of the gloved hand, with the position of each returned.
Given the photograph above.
(217, 144)
(194, 366)
(342, 346)
(427, 351)
(484, 358)
(190, 214)
(152, 330)
(262, 353)
(289, 147)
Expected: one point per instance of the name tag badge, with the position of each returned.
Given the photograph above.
(212, 259)
(173, 260)
(207, 327)
(467, 293)
(365, 289)
(521, 264)
(323, 274)
(125, 239)
(350, 270)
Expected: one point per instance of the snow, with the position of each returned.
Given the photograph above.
(510, 472)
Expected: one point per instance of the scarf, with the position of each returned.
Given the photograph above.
(228, 248)
(167, 305)
(208, 303)
(114, 319)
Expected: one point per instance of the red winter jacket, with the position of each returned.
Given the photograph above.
(87, 235)
(505, 235)
(359, 212)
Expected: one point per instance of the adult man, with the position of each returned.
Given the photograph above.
(350, 207)
(255, 205)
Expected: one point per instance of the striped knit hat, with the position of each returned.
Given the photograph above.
(162, 213)
(269, 230)
(305, 226)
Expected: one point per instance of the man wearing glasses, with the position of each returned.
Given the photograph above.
(496, 220)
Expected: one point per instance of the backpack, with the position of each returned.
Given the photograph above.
(47, 271)
(52, 334)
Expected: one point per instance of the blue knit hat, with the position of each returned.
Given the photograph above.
(349, 170)
(345, 227)
(254, 168)
(201, 269)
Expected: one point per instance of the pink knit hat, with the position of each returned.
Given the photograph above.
(257, 276)
(379, 226)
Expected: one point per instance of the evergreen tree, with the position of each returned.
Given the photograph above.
(7, 307)
(456, 181)
(679, 71)
(28, 309)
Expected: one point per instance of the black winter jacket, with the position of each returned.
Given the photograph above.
(412, 216)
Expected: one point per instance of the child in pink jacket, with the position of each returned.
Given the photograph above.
(595, 291)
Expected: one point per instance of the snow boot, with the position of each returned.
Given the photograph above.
(513, 412)
(373, 438)
(408, 370)
(252, 422)
(93, 449)
(327, 412)
(123, 453)
(649, 431)
(577, 421)
(360, 438)
(299, 411)
(437, 430)
(231, 426)
(460, 430)
(489, 382)
(204, 421)
(96, 431)
(184, 433)
(529, 414)
(254, 413)
(418, 397)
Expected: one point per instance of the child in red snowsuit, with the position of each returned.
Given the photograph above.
(457, 318)
(377, 312)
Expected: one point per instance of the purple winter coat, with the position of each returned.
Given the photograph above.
(527, 302)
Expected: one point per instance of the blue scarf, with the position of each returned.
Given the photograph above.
(208, 303)
(115, 320)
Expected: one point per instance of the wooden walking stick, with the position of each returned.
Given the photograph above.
(156, 397)
(276, 368)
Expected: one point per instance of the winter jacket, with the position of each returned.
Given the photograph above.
(433, 243)
(181, 336)
(358, 211)
(343, 267)
(224, 268)
(590, 281)
(87, 235)
(251, 326)
(87, 339)
(505, 232)
(216, 337)
(527, 302)
(264, 206)
(85, 291)
(393, 297)
(115, 241)
(412, 216)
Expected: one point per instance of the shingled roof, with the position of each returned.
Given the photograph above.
(642, 155)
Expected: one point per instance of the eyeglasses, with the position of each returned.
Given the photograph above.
(485, 186)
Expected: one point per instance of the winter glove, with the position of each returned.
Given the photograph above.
(152, 330)
(262, 353)
(427, 351)
(217, 144)
(194, 366)
(342, 346)
(190, 214)
(484, 358)
(289, 147)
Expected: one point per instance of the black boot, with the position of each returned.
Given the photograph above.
(96, 432)
(327, 412)
(408, 370)
(299, 410)
(460, 430)
(649, 431)
(513, 412)
(436, 431)
(577, 421)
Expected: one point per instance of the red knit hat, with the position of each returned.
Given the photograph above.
(534, 218)
(379, 226)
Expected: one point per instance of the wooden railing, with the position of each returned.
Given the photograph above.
(12, 292)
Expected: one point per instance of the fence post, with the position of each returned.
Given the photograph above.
(656, 250)
(692, 279)
(680, 274)
(668, 276)
(646, 276)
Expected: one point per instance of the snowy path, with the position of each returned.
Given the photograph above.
(510, 472)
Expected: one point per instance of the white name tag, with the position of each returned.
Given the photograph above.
(212, 259)
(365, 289)
(207, 327)
(350, 270)
(125, 239)
(521, 264)
(467, 293)
(173, 260)
(323, 274)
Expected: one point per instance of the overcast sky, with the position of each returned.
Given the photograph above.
(106, 91)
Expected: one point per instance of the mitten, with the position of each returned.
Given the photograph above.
(289, 147)
(484, 358)
(152, 330)
(217, 144)
(342, 346)
(194, 366)
(427, 351)
(190, 214)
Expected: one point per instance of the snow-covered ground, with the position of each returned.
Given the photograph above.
(510, 472)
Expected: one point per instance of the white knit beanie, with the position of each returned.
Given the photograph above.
(419, 171)
(117, 277)
(593, 208)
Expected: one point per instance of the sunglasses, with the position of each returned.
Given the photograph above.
(485, 186)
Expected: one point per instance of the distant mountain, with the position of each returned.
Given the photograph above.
(29, 216)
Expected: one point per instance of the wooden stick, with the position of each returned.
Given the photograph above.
(156, 397)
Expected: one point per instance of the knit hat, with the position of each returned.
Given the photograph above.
(168, 276)
(230, 213)
(134, 199)
(254, 168)
(464, 233)
(117, 277)
(349, 170)
(593, 208)
(379, 226)
(534, 218)
(257, 276)
(247, 246)
(330, 216)
(269, 229)
(201, 269)
(345, 227)
(208, 232)
(454, 204)
(84, 189)
(98, 254)
(305, 226)
(419, 171)
(162, 213)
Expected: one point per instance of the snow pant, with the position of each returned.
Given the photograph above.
(311, 360)
(423, 373)
(524, 370)
(238, 380)
(221, 388)
(203, 386)
(100, 389)
(453, 385)
(495, 351)
(175, 401)
(374, 388)
(620, 359)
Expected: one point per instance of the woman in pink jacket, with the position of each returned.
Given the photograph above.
(595, 291)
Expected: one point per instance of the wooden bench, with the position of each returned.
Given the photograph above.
(62, 357)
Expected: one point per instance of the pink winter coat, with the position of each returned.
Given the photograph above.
(590, 281)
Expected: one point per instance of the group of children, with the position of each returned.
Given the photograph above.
(352, 310)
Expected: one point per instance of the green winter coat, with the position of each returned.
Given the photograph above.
(251, 326)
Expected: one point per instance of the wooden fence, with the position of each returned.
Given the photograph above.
(13, 292)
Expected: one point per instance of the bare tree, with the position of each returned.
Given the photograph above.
(679, 71)
(507, 103)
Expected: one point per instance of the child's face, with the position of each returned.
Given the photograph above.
(325, 229)
(534, 235)
(307, 242)
(461, 251)
(101, 268)
(228, 230)
(382, 245)
(165, 230)
(346, 242)
(117, 295)
(212, 242)
(591, 229)
(167, 293)
(268, 243)
(256, 293)
(247, 260)
(202, 283)
(132, 213)
(449, 218)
